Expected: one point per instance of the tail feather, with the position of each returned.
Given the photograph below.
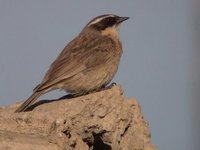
(29, 101)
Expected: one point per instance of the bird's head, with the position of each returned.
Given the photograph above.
(105, 24)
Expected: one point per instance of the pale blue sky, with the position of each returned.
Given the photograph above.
(157, 66)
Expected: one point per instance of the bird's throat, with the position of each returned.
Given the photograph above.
(111, 32)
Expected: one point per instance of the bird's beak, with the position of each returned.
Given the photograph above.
(121, 19)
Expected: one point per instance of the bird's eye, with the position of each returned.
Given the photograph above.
(110, 21)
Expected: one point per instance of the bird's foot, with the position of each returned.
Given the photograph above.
(103, 88)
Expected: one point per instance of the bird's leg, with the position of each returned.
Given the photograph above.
(103, 88)
(109, 86)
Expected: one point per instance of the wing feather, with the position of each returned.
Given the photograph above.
(76, 58)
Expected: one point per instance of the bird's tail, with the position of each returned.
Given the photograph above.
(29, 101)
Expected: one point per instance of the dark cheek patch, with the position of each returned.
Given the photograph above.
(109, 21)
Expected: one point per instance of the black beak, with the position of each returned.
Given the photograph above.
(121, 19)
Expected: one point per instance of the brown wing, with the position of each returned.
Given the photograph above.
(79, 55)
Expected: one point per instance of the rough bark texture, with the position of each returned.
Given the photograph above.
(104, 120)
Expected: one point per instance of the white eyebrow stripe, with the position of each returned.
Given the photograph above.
(99, 19)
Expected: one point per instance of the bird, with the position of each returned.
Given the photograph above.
(87, 63)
